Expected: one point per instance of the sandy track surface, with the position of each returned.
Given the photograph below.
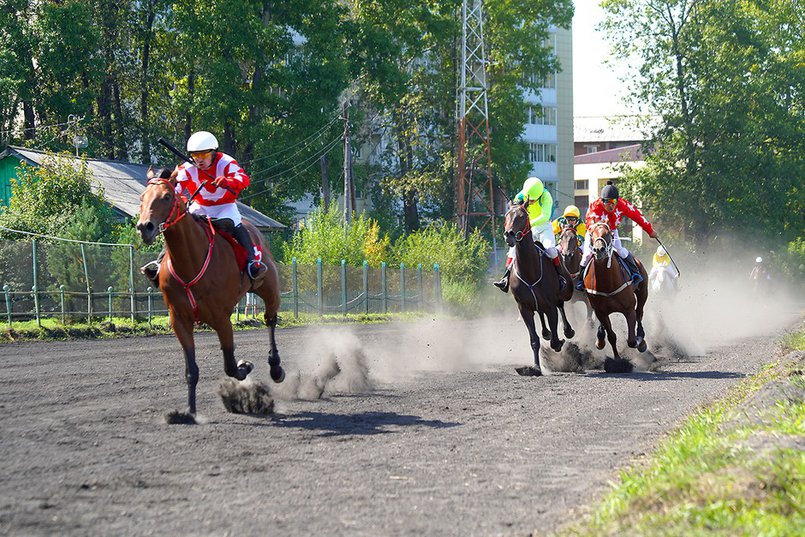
(427, 431)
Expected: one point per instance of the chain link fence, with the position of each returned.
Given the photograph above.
(77, 281)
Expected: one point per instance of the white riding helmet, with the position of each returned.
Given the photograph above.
(660, 251)
(201, 141)
(759, 260)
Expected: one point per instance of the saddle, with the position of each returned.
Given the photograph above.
(239, 251)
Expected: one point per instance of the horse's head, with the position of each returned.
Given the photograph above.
(516, 224)
(159, 204)
(569, 247)
(601, 240)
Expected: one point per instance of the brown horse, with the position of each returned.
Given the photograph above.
(201, 281)
(610, 290)
(570, 255)
(534, 284)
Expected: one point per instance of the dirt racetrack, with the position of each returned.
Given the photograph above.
(427, 431)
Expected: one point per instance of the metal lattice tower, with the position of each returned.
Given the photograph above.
(474, 190)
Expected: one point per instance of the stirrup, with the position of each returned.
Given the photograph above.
(256, 270)
(637, 278)
(151, 270)
(580, 285)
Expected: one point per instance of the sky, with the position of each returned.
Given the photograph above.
(596, 88)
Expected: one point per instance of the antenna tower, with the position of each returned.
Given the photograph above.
(474, 190)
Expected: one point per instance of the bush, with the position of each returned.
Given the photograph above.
(326, 237)
(460, 261)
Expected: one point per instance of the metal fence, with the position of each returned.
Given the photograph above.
(81, 281)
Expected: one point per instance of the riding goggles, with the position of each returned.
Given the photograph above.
(610, 200)
(201, 154)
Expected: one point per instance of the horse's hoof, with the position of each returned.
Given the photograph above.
(277, 374)
(599, 344)
(180, 418)
(558, 347)
(642, 346)
(546, 335)
(244, 368)
(528, 371)
(569, 333)
(631, 344)
(617, 365)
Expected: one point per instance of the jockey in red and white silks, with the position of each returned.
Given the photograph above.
(611, 208)
(213, 201)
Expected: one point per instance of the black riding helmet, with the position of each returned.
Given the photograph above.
(609, 192)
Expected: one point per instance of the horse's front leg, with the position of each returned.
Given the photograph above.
(528, 318)
(275, 369)
(239, 370)
(606, 324)
(184, 333)
(553, 323)
(568, 330)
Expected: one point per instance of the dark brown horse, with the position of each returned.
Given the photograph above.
(610, 290)
(570, 255)
(534, 284)
(201, 281)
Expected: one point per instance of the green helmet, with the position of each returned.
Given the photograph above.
(533, 188)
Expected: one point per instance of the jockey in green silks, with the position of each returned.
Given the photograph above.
(539, 205)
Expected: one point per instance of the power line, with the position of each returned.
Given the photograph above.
(316, 134)
(297, 174)
(327, 146)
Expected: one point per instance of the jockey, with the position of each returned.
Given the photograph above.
(539, 204)
(610, 208)
(759, 271)
(662, 262)
(570, 218)
(216, 198)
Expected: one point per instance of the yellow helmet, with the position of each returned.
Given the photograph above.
(533, 188)
(572, 210)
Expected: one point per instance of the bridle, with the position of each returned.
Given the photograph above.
(177, 211)
(567, 256)
(608, 245)
(518, 235)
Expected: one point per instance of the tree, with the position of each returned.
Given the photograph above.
(727, 81)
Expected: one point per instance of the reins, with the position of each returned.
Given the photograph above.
(519, 236)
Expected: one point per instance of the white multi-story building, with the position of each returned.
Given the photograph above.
(549, 127)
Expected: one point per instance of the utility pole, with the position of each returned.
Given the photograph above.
(348, 208)
(475, 198)
(78, 141)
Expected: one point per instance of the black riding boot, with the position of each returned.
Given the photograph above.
(631, 263)
(503, 284)
(255, 269)
(580, 281)
(151, 269)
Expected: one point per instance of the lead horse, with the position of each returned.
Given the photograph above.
(534, 285)
(610, 290)
(201, 281)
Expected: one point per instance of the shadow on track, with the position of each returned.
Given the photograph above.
(365, 423)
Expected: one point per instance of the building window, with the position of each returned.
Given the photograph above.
(542, 115)
(581, 184)
(549, 82)
(582, 202)
(591, 148)
(542, 152)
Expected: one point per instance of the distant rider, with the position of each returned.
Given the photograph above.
(570, 218)
(662, 263)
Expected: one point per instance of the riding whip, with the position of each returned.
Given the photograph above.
(679, 272)
(189, 160)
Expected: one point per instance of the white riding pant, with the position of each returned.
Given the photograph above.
(544, 234)
(587, 249)
(668, 268)
(225, 210)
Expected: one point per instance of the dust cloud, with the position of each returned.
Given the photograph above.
(714, 306)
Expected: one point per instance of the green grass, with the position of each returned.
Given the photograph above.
(719, 473)
(53, 329)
